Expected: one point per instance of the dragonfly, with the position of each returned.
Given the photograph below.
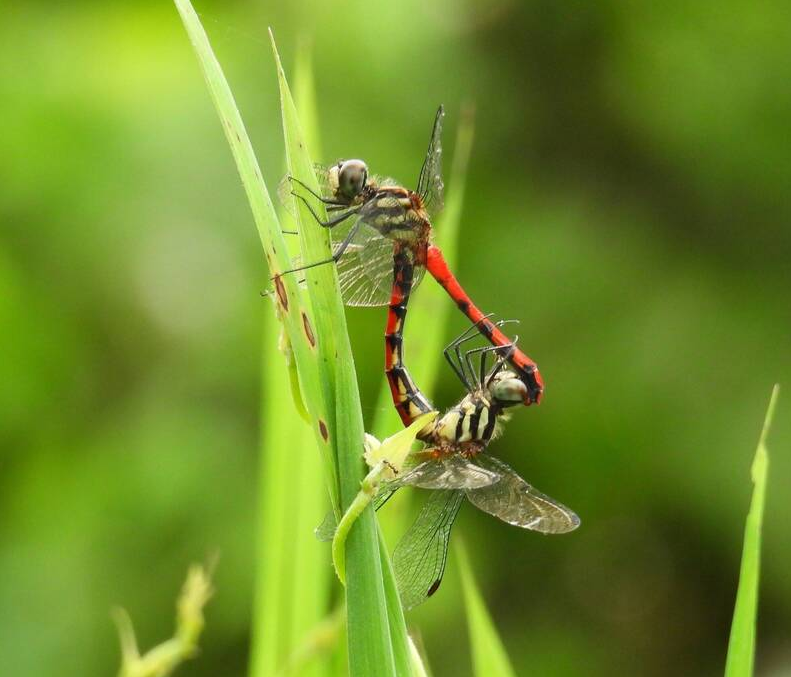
(455, 466)
(380, 229)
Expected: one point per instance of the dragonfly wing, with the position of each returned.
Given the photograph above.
(516, 502)
(365, 269)
(420, 556)
(450, 472)
(326, 530)
(430, 185)
(286, 186)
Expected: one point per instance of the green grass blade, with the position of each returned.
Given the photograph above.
(488, 653)
(310, 597)
(271, 637)
(368, 624)
(296, 314)
(292, 581)
(419, 665)
(406, 660)
(741, 647)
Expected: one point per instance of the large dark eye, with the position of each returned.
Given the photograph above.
(352, 177)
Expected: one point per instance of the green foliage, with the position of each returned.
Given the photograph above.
(385, 459)
(164, 658)
(294, 308)
(741, 648)
(627, 201)
(367, 612)
(489, 658)
(322, 349)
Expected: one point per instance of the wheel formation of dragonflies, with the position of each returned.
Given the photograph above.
(454, 465)
(378, 224)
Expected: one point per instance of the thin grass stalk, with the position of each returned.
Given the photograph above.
(741, 646)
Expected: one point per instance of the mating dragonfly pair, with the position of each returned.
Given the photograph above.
(382, 245)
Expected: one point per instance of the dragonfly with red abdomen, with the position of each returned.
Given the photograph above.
(380, 228)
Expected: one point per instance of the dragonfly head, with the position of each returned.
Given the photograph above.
(348, 178)
(507, 389)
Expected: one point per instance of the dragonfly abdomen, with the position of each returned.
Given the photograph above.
(409, 401)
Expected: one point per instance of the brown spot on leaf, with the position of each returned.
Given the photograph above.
(308, 331)
(323, 430)
(281, 292)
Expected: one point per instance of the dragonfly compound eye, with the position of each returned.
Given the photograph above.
(351, 178)
(508, 390)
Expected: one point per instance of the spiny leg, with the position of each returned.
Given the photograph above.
(484, 351)
(325, 200)
(329, 223)
(458, 368)
(334, 258)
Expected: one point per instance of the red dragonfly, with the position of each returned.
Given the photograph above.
(380, 228)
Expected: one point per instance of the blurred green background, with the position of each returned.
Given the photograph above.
(627, 200)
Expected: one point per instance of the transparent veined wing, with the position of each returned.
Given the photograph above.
(516, 502)
(420, 556)
(448, 472)
(430, 185)
(326, 530)
(365, 269)
(286, 186)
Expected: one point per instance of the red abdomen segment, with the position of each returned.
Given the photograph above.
(522, 364)
(408, 400)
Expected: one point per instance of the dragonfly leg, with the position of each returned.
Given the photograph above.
(325, 200)
(483, 351)
(459, 373)
(334, 258)
(458, 366)
(483, 379)
(329, 223)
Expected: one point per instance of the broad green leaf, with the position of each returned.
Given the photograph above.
(489, 658)
(741, 647)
